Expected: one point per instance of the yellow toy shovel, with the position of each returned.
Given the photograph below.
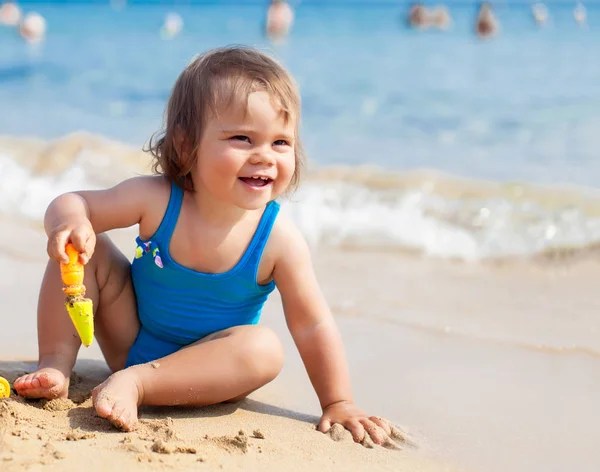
(80, 308)
(4, 388)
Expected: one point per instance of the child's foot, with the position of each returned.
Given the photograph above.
(117, 399)
(47, 382)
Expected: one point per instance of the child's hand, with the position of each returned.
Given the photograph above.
(358, 423)
(82, 236)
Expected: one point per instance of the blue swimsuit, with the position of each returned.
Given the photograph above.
(178, 306)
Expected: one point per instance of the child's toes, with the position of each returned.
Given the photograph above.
(49, 384)
(116, 414)
(45, 380)
(19, 383)
(117, 399)
(104, 409)
(24, 382)
(127, 420)
(103, 404)
(121, 417)
(34, 382)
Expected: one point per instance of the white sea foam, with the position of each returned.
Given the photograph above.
(430, 213)
(342, 214)
(24, 194)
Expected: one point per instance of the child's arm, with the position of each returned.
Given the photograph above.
(78, 216)
(315, 333)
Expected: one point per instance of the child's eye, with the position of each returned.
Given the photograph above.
(240, 137)
(281, 142)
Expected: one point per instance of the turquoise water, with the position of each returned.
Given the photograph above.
(524, 105)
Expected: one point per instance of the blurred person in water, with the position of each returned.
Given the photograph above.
(172, 26)
(280, 17)
(486, 24)
(418, 16)
(540, 13)
(439, 17)
(10, 14)
(580, 13)
(33, 28)
(421, 17)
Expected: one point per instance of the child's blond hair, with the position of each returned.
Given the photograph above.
(219, 78)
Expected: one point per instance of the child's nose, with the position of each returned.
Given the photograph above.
(263, 156)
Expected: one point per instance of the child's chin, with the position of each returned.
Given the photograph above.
(254, 203)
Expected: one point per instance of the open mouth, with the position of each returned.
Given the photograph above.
(256, 181)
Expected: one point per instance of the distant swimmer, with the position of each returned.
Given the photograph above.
(580, 13)
(418, 16)
(439, 17)
(280, 17)
(10, 14)
(172, 26)
(33, 28)
(540, 13)
(486, 24)
(423, 18)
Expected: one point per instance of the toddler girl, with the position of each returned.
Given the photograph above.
(178, 325)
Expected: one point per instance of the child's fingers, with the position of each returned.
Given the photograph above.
(79, 238)
(377, 434)
(56, 246)
(324, 425)
(402, 436)
(357, 430)
(84, 241)
(90, 246)
(383, 424)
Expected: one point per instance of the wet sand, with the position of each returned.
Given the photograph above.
(490, 367)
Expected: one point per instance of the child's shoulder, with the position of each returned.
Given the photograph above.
(289, 254)
(146, 188)
(152, 194)
(286, 238)
(284, 229)
(148, 183)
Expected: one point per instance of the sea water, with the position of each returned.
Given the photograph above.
(433, 141)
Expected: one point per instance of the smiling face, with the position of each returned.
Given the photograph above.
(246, 154)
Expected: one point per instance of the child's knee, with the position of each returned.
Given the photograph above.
(108, 261)
(263, 353)
(105, 249)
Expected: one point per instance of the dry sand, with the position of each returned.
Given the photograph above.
(256, 434)
(491, 367)
(67, 435)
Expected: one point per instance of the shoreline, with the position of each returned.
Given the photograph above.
(365, 208)
(53, 156)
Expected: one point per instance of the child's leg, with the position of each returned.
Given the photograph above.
(227, 365)
(108, 285)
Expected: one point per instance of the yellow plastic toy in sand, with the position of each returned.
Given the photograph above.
(80, 309)
(4, 388)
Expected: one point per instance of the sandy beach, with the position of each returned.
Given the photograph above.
(254, 435)
(450, 197)
(489, 367)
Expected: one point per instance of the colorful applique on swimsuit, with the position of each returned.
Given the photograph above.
(148, 247)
